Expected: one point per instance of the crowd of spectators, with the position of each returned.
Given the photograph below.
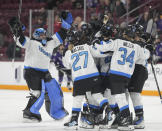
(115, 9)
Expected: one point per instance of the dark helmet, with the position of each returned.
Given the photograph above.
(73, 37)
(107, 30)
(130, 31)
(86, 29)
(139, 29)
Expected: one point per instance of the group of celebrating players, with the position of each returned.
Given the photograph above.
(108, 66)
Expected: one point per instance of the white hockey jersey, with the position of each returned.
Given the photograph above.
(38, 56)
(80, 61)
(105, 65)
(125, 55)
(143, 61)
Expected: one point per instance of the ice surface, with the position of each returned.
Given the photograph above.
(13, 102)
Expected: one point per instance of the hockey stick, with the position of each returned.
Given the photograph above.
(105, 20)
(153, 70)
(14, 49)
(139, 18)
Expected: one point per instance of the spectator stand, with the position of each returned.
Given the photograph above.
(44, 13)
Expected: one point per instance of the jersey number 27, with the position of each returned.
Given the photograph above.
(77, 56)
(126, 57)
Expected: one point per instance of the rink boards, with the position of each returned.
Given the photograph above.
(11, 77)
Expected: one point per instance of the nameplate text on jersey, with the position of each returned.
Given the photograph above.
(130, 45)
(77, 48)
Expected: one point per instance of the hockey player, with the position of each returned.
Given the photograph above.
(138, 79)
(103, 65)
(57, 59)
(86, 79)
(37, 59)
(107, 33)
(125, 54)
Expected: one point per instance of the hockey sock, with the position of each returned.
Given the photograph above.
(77, 103)
(136, 99)
(122, 102)
(111, 98)
(100, 100)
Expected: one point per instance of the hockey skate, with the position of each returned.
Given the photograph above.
(115, 123)
(86, 121)
(72, 124)
(108, 118)
(30, 117)
(125, 123)
(139, 122)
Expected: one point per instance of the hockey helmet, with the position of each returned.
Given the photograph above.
(86, 29)
(73, 37)
(107, 30)
(40, 35)
(139, 29)
(130, 31)
(38, 32)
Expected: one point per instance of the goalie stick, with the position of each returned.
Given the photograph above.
(14, 49)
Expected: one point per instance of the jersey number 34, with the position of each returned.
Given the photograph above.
(126, 57)
(77, 56)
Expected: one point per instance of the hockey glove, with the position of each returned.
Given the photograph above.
(65, 25)
(96, 41)
(67, 17)
(150, 48)
(16, 27)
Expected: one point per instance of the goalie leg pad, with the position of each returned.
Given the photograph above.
(54, 100)
(39, 102)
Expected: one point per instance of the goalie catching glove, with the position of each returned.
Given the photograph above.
(16, 27)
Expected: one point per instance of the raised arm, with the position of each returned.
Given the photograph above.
(66, 20)
(17, 30)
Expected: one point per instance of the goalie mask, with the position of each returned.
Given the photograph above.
(40, 35)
